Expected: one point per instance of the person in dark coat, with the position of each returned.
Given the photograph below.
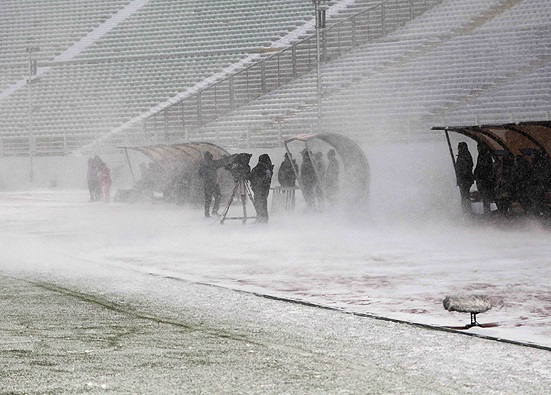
(208, 171)
(504, 183)
(484, 176)
(286, 173)
(539, 182)
(464, 175)
(93, 180)
(332, 177)
(308, 180)
(319, 164)
(520, 182)
(261, 179)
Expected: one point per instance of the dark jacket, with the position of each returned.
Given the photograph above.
(261, 174)
(332, 175)
(208, 171)
(286, 174)
(464, 168)
(484, 171)
(308, 176)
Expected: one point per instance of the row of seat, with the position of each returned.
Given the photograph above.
(173, 19)
(51, 25)
(416, 104)
(409, 73)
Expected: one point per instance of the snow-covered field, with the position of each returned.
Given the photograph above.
(397, 269)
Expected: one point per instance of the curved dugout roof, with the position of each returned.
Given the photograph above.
(513, 137)
(184, 152)
(356, 166)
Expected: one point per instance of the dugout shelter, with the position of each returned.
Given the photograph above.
(354, 171)
(173, 171)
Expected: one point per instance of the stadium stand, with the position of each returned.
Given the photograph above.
(418, 76)
(243, 73)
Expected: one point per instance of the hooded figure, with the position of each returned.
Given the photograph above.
(308, 180)
(93, 180)
(261, 179)
(286, 174)
(209, 173)
(484, 176)
(319, 164)
(464, 174)
(105, 181)
(332, 177)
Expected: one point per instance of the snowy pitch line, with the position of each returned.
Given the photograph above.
(131, 311)
(119, 308)
(315, 305)
(365, 315)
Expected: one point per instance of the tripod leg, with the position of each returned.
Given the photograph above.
(243, 189)
(227, 208)
(244, 209)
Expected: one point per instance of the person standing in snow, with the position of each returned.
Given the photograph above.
(484, 176)
(261, 179)
(208, 171)
(464, 174)
(319, 163)
(286, 173)
(93, 180)
(308, 180)
(332, 177)
(105, 181)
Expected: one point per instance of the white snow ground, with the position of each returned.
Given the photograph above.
(401, 262)
(398, 271)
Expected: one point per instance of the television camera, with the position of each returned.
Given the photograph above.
(238, 166)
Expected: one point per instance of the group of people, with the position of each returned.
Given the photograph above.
(260, 179)
(503, 178)
(174, 182)
(99, 180)
(319, 181)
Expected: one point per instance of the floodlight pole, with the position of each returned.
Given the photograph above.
(320, 24)
(30, 121)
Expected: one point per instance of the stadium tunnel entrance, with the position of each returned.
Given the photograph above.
(355, 174)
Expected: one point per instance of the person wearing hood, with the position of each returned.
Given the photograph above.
(261, 179)
(93, 180)
(308, 180)
(484, 176)
(464, 175)
(320, 166)
(208, 171)
(332, 177)
(105, 181)
(286, 173)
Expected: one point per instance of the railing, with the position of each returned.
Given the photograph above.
(183, 120)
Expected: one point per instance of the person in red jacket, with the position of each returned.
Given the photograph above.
(105, 181)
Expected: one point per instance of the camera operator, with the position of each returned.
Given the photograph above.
(261, 178)
(208, 171)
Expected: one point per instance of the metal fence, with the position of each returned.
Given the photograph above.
(183, 120)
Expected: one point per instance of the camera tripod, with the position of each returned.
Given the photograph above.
(243, 189)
